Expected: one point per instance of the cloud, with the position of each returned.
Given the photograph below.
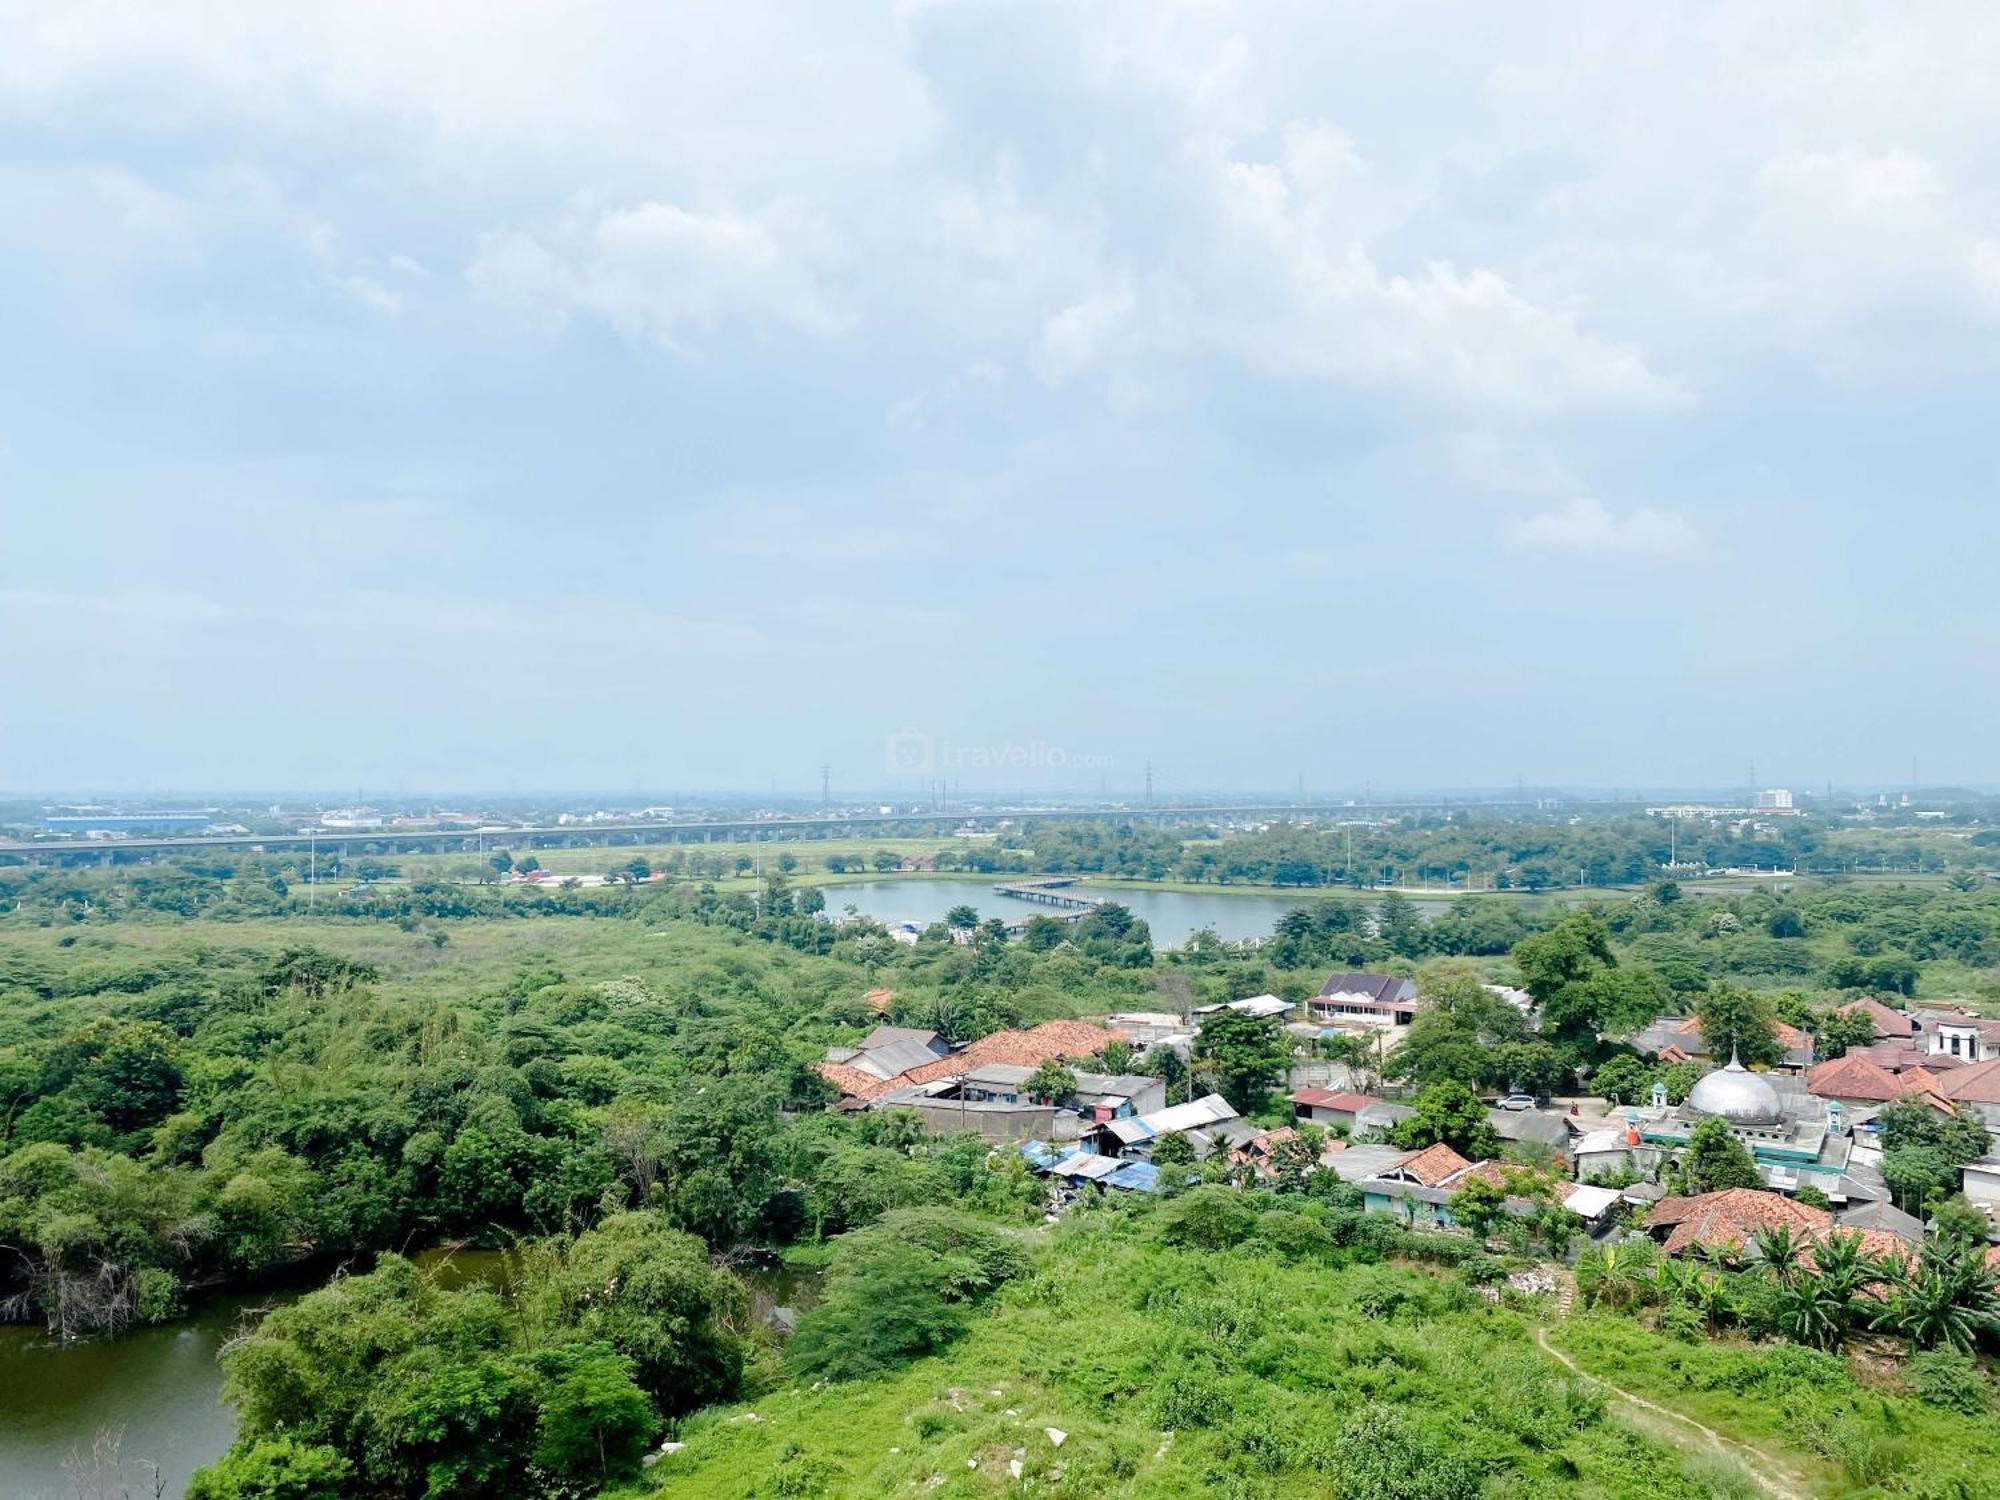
(660, 272)
(1586, 525)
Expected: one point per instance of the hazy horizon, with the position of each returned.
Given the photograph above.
(614, 396)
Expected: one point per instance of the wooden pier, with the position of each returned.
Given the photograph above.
(1049, 892)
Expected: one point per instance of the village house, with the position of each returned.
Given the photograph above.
(1099, 1096)
(861, 1086)
(1333, 1108)
(1976, 1089)
(1967, 1038)
(1891, 1025)
(1727, 1223)
(1359, 998)
(1208, 1122)
(1419, 1188)
(1678, 1039)
(1864, 1085)
(1264, 1007)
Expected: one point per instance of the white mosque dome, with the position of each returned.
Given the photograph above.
(1738, 1095)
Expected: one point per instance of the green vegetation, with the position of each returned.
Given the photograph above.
(1257, 1361)
(203, 1085)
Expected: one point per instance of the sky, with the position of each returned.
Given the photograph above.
(624, 395)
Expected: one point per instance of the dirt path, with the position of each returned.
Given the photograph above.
(1769, 1473)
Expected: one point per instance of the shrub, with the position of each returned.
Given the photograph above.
(1190, 1399)
(901, 1290)
(1292, 1235)
(1382, 1455)
(1947, 1378)
(274, 1468)
(1209, 1218)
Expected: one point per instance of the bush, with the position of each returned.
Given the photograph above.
(1382, 1455)
(275, 1468)
(899, 1291)
(1191, 1399)
(1209, 1218)
(1947, 1378)
(1292, 1235)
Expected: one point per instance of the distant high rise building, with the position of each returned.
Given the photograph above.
(1774, 799)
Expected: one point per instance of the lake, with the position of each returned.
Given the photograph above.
(158, 1391)
(1171, 914)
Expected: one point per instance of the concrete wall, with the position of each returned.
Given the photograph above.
(994, 1122)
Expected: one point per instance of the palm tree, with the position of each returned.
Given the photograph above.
(1614, 1274)
(1810, 1311)
(1840, 1265)
(1779, 1251)
(1948, 1296)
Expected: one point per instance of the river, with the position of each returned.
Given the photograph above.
(1172, 915)
(94, 1418)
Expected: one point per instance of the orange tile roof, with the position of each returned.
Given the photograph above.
(1978, 1084)
(1492, 1172)
(1853, 1077)
(1025, 1049)
(1433, 1164)
(1729, 1220)
(1889, 1022)
(1332, 1099)
(1789, 1037)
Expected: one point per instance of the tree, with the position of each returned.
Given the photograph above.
(1174, 1156)
(1835, 1032)
(961, 918)
(1040, 934)
(1958, 1138)
(1116, 1057)
(1778, 1251)
(1945, 1298)
(1400, 925)
(1714, 1160)
(1623, 1079)
(1479, 1205)
(1051, 1081)
(1569, 952)
(900, 1290)
(1453, 1114)
(1615, 1275)
(1243, 1056)
(1437, 1049)
(1735, 1022)
(1913, 1173)
(1535, 1067)
(1166, 1064)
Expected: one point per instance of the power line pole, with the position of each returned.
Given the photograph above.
(826, 784)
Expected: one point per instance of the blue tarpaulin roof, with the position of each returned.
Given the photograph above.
(1040, 1155)
(1139, 1176)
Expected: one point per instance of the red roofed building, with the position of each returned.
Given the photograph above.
(1428, 1167)
(1891, 1025)
(1027, 1049)
(1730, 1220)
(1976, 1088)
(1855, 1079)
(1329, 1107)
